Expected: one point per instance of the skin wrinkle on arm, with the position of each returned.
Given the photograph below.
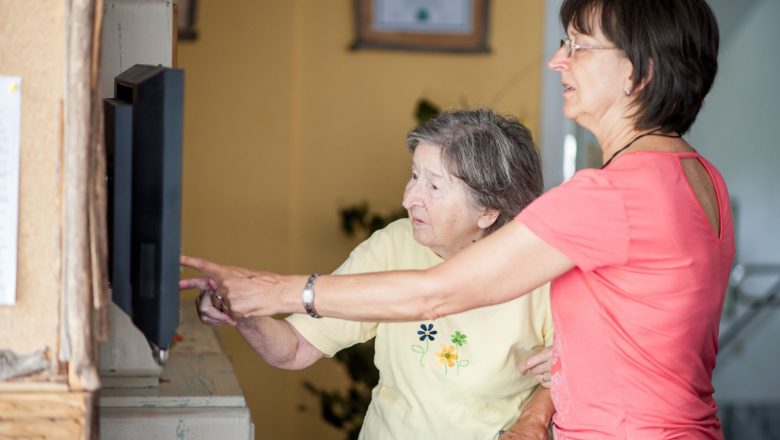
(278, 343)
(540, 406)
(535, 417)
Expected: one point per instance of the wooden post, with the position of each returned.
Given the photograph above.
(82, 286)
(61, 256)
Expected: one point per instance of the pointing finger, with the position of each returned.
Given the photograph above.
(202, 265)
(195, 283)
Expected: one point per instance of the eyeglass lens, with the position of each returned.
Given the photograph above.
(565, 42)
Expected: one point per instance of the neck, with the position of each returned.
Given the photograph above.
(615, 137)
(653, 146)
(639, 141)
(612, 144)
(446, 253)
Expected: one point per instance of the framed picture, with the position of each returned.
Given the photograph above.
(186, 11)
(426, 25)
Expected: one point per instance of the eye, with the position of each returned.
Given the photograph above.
(414, 175)
(435, 187)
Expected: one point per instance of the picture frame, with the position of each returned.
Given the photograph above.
(186, 17)
(422, 25)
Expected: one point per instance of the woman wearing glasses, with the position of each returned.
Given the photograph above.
(639, 250)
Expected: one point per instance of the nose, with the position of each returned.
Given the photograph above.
(559, 61)
(411, 195)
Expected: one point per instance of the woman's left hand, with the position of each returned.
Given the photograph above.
(239, 292)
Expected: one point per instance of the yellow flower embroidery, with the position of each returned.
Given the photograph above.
(447, 355)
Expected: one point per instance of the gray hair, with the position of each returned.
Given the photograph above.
(493, 155)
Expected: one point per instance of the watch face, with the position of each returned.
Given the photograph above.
(307, 297)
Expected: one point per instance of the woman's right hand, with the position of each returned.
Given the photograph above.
(204, 303)
(539, 363)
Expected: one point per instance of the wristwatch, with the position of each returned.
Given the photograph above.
(307, 296)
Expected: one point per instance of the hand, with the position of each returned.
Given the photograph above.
(539, 363)
(208, 313)
(206, 303)
(238, 292)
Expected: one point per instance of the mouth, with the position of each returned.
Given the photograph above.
(566, 87)
(416, 221)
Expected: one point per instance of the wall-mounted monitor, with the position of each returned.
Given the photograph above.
(144, 160)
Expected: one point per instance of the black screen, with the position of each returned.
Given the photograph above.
(144, 151)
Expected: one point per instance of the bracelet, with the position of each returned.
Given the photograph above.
(307, 297)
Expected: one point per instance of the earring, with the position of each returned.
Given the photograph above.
(628, 92)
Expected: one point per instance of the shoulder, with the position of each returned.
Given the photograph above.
(400, 229)
(390, 248)
(584, 218)
(588, 190)
(589, 179)
(404, 252)
(396, 234)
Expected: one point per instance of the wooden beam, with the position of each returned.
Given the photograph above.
(78, 297)
(46, 415)
(98, 223)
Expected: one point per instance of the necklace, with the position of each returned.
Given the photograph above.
(631, 142)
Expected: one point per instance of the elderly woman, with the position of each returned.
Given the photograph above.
(640, 250)
(456, 376)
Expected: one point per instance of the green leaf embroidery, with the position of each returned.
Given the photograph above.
(458, 338)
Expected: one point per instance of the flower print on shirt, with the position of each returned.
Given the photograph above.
(458, 338)
(449, 356)
(426, 334)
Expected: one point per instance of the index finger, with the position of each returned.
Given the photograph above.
(202, 265)
(195, 283)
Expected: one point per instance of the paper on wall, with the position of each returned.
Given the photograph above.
(10, 114)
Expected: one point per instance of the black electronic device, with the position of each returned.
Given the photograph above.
(143, 130)
(119, 182)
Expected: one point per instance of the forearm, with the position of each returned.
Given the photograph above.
(501, 267)
(277, 342)
(534, 421)
(539, 409)
(389, 296)
(508, 263)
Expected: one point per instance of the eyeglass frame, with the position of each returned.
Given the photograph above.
(572, 47)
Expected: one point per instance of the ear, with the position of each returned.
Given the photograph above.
(487, 218)
(643, 83)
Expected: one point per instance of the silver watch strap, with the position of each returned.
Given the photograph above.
(307, 296)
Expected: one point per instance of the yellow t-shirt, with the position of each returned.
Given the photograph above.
(453, 377)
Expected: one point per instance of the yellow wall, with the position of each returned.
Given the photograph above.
(284, 125)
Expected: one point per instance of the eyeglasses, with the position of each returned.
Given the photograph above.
(572, 47)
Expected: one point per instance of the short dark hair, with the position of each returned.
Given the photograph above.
(493, 155)
(672, 45)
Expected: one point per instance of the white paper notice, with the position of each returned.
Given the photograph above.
(10, 108)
